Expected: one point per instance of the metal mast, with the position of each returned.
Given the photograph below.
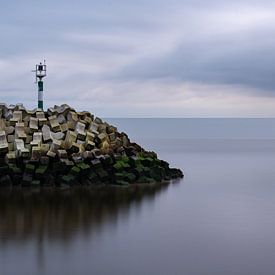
(40, 73)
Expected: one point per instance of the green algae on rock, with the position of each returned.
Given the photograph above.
(65, 147)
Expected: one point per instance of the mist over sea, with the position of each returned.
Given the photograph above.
(219, 219)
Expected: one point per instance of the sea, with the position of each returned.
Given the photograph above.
(218, 220)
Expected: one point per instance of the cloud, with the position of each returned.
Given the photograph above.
(143, 58)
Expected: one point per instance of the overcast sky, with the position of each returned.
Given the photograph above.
(143, 58)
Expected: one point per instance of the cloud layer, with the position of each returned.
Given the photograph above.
(143, 58)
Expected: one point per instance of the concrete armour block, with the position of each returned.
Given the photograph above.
(80, 130)
(112, 137)
(55, 145)
(20, 149)
(61, 119)
(46, 133)
(40, 115)
(102, 137)
(62, 154)
(57, 135)
(37, 139)
(55, 126)
(90, 145)
(33, 124)
(42, 121)
(4, 147)
(72, 118)
(64, 127)
(11, 138)
(9, 130)
(69, 139)
(17, 117)
(11, 157)
(89, 136)
(36, 153)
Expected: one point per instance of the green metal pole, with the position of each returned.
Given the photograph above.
(40, 94)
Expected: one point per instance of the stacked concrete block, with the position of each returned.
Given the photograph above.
(72, 120)
(55, 145)
(33, 126)
(39, 141)
(16, 117)
(20, 149)
(70, 139)
(46, 133)
(55, 126)
(20, 131)
(80, 130)
(41, 119)
(4, 147)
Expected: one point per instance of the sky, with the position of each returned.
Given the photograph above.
(143, 58)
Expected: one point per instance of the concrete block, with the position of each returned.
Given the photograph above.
(55, 126)
(36, 153)
(11, 146)
(94, 128)
(125, 141)
(89, 136)
(102, 128)
(2, 124)
(102, 137)
(88, 155)
(16, 117)
(44, 149)
(42, 121)
(62, 154)
(20, 130)
(64, 127)
(27, 139)
(4, 147)
(33, 124)
(46, 133)
(72, 118)
(98, 120)
(10, 138)
(80, 130)
(112, 137)
(90, 145)
(20, 149)
(11, 157)
(9, 130)
(8, 114)
(61, 119)
(55, 146)
(51, 154)
(70, 139)
(57, 135)
(40, 115)
(37, 139)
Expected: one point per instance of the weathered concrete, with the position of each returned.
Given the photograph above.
(62, 145)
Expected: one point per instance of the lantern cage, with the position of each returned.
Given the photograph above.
(40, 71)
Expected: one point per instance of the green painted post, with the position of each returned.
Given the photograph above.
(40, 94)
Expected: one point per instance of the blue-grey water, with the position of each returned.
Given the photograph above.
(219, 220)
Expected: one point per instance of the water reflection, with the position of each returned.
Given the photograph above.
(59, 214)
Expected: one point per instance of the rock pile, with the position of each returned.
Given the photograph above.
(63, 146)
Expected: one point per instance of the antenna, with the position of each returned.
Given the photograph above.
(40, 73)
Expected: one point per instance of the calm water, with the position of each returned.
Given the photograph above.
(219, 220)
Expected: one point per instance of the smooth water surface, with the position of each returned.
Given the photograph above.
(219, 220)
